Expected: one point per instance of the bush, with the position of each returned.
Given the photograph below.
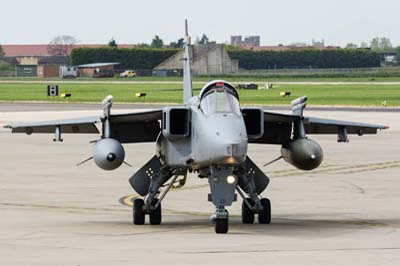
(305, 58)
(4, 66)
(397, 55)
(136, 58)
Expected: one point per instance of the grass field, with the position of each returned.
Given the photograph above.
(206, 79)
(344, 95)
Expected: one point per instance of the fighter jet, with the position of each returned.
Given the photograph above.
(207, 136)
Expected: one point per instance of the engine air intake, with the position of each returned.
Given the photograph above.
(176, 122)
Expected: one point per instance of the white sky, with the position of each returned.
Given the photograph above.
(130, 21)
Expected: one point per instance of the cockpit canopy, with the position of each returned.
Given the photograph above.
(219, 97)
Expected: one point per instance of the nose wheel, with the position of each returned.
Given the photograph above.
(221, 226)
(221, 220)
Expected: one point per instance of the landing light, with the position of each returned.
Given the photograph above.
(231, 160)
(231, 179)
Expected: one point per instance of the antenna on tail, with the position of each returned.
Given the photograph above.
(186, 28)
(187, 77)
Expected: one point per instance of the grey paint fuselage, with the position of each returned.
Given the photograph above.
(219, 138)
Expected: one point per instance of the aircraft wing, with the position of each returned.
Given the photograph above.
(314, 125)
(136, 127)
(78, 125)
(278, 128)
(126, 128)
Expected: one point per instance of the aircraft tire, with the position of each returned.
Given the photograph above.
(264, 217)
(247, 213)
(138, 213)
(221, 226)
(155, 216)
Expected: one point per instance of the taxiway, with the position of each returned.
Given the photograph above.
(53, 213)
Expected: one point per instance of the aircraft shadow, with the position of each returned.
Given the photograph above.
(289, 227)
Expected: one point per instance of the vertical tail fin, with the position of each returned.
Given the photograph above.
(187, 77)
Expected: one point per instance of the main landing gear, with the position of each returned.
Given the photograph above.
(252, 204)
(249, 209)
(151, 205)
(223, 184)
(139, 212)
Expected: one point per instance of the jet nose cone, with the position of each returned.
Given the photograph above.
(233, 153)
(111, 157)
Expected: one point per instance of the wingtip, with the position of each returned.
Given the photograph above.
(107, 99)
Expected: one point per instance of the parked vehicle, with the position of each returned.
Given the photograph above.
(128, 74)
(103, 73)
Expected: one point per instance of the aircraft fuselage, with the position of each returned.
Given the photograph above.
(219, 138)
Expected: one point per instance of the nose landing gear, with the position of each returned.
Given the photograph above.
(221, 226)
(222, 185)
(221, 220)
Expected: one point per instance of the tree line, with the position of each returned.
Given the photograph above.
(147, 56)
(305, 58)
(135, 58)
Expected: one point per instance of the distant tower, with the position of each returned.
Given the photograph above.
(236, 40)
(253, 41)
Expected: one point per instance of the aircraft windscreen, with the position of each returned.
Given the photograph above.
(219, 100)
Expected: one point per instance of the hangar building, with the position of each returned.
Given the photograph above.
(207, 59)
